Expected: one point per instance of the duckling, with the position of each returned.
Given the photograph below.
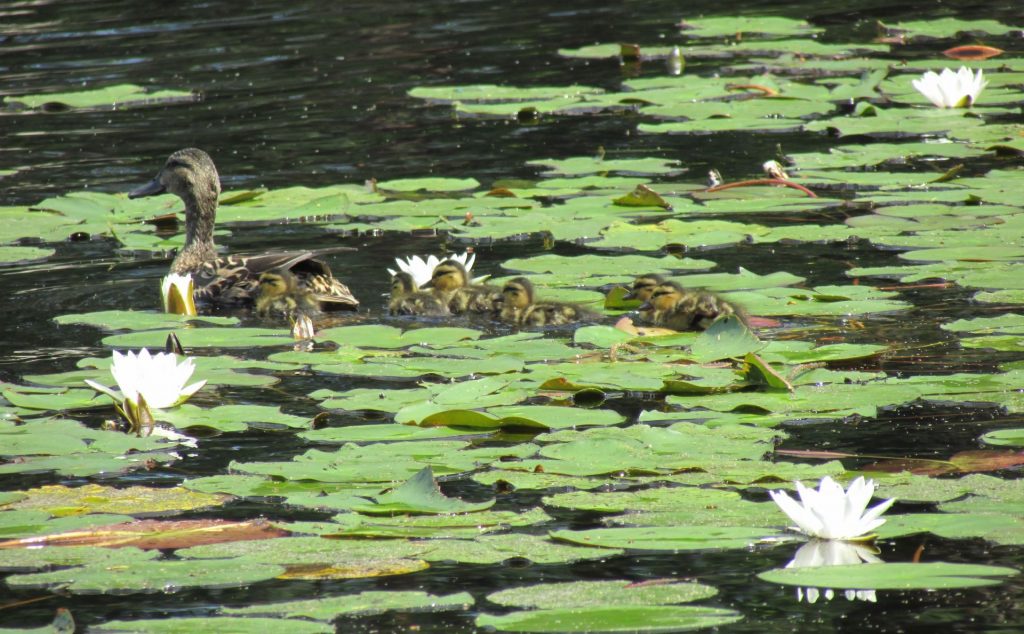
(450, 284)
(191, 175)
(519, 306)
(643, 287)
(280, 293)
(672, 306)
(407, 299)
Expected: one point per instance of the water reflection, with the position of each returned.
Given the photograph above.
(829, 552)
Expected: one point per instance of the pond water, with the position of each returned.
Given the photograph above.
(314, 95)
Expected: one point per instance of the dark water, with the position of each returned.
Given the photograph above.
(307, 93)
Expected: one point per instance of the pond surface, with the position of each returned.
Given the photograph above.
(311, 95)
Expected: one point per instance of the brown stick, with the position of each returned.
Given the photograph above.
(761, 181)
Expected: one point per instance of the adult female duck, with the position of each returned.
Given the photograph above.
(191, 175)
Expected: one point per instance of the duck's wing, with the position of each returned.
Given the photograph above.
(313, 274)
(234, 279)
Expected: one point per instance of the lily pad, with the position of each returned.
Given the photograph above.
(892, 576)
(609, 619)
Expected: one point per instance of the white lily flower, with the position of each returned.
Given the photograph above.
(158, 378)
(422, 269)
(177, 293)
(951, 90)
(818, 552)
(832, 513)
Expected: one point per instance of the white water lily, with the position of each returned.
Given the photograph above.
(832, 513)
(817, 552)
(422, 269)
(157, 378)
(951, 90)
(177, 291)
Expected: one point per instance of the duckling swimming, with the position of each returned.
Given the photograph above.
(643, 288)
(519, 306)
(279, 293)
(450, 284)
(672, 306)
(407, 299)
(232, 280)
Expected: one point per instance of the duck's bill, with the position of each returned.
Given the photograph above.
(152, 188)
(630, 295)
(645, 306)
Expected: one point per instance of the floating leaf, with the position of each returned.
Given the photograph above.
(418, 494)
(892, 576)
(607, 619)
(118, 96)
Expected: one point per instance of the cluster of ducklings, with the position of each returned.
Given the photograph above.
(451, 291)
(299, 285)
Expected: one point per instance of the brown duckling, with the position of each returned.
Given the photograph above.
(407, 299)
(519, 306)
(231, 280)
(643, 288)
(280, 293)
(450, 284)
(672, 306)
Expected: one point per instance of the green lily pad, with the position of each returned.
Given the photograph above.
(190, 624)
(892, 576)
(21, 255)
(581, 594)
(119, 96)
(360, 604)
(429, 184)
(149, 576)
(418, 495)
(609, 619)
(62, 501)
(675, 538)
(1013, 437)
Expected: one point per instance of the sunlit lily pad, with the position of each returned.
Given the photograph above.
(361, 604)
(419, 494)
(892, 576)
(602, 593)
(60, 500)
(601, 620)
(149, 577)
(118, 96)
(189, 624)
(20, 255)
(727, 26)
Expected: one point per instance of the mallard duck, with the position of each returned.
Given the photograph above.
(519, 306)
(672, 306)
(643, 287)
(407, 299)
(450, 283)
(280, 293)
(191, 175)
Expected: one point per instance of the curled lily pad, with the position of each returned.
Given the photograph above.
(418, 494)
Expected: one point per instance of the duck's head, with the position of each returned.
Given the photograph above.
(188, 174)
(517, 293)
(449, 275)
(664, 297)
(402, 284)
(644, 286)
